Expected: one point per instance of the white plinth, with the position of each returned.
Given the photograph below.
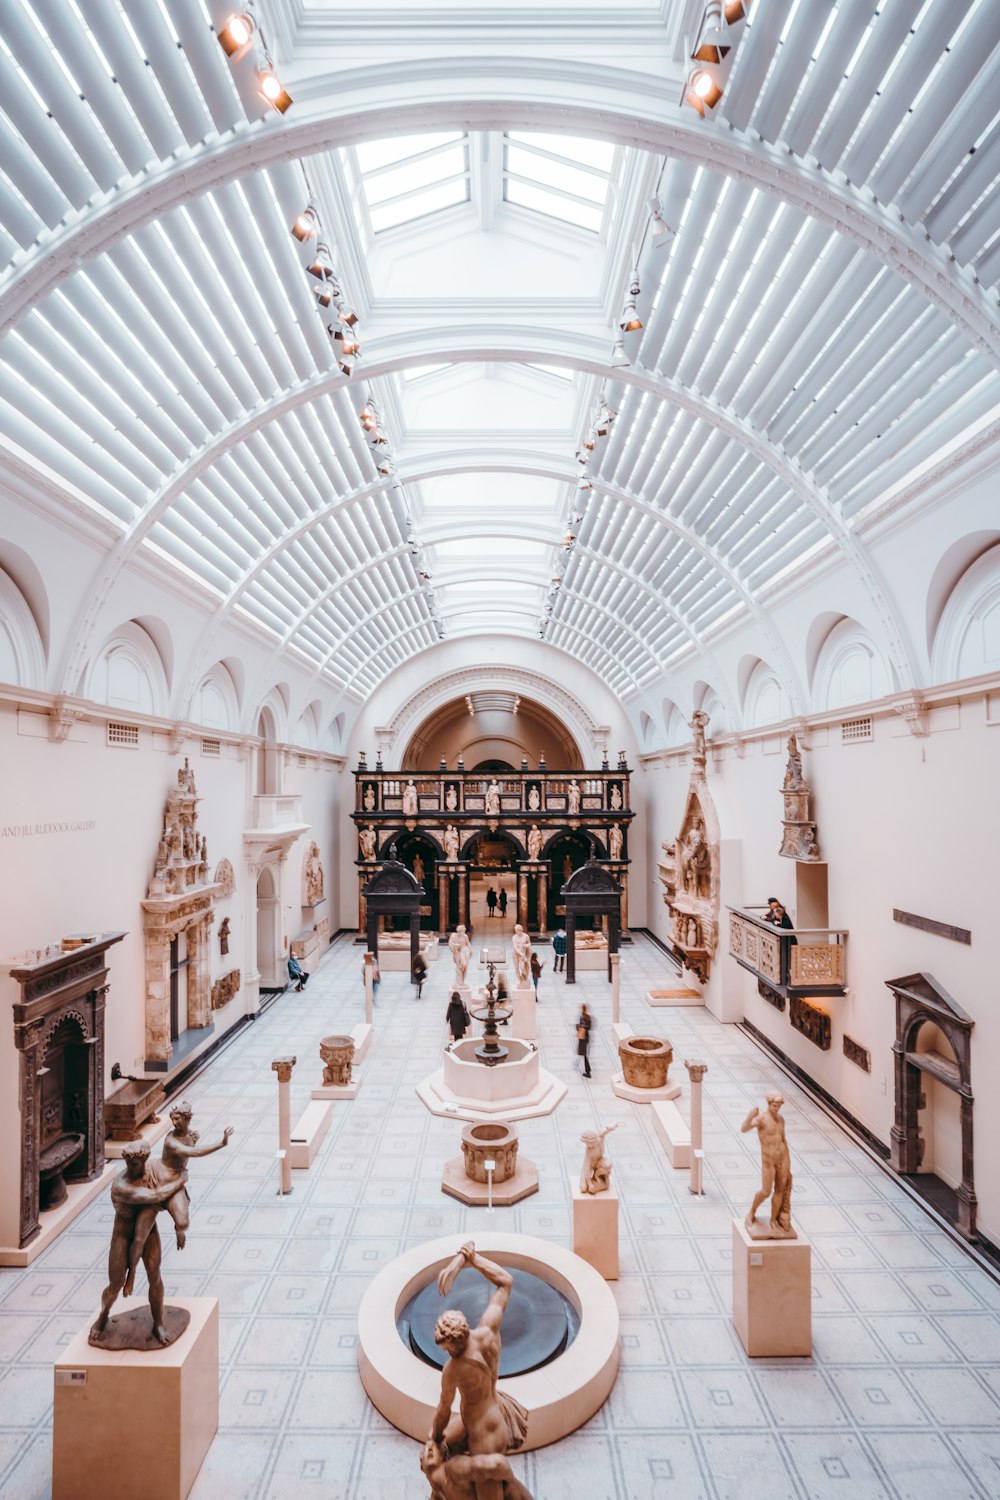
(308, 1135)
(131, 1423)
(587, 959)
(673, 1133)
(523, 1020)
(362, 1037)
(335, 1092)
(394, 960)
(643, 1096)
(679, 996)
(772, 1294)
(595, 1229)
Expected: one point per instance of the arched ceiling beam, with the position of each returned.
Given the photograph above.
(431, 95)
(478, 346)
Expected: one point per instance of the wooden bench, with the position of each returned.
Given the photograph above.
(308, 1134)
(673, 1132)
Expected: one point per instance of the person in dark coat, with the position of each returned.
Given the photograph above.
(457, 1016)
(491, 902)
(536, 970)
(297, 973)
(559, 951)
(584, 1021)
(502, 903)
(418, 973)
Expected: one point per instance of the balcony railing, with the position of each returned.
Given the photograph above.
(277, 812)
(815, 963)
(454, 793)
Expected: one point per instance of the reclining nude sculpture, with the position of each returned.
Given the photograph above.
(489, 1423)
(137, 1196)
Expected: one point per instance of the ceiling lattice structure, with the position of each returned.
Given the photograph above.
(792, 379)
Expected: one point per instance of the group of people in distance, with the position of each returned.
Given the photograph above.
(495, 903)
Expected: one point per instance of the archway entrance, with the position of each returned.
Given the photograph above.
(492, 859)
(565, 853)
(272, 976)
(494, 732)
(420, 856)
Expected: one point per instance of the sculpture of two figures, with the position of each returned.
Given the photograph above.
(137, 1196)
(461, 953)
(775, 1172)
(451, 843)
(521, 945)
(595, 1176)
(465, 1456)
(493, 799)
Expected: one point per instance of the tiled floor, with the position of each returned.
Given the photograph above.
(901, 1398)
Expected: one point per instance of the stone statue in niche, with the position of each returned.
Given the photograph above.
(534, 842)
(141, 1191)
(775, 1172)
(573, 799)
(366, 838)
(461, 954)
(489, 1422)
(410, 804)
(369, 798)
(534, 799)
(493, 799)
(418, 869)
(312, 877)
(451, 843)
(794, 780)
(616, 798)
(595, 1176)
(451, 799)
(521, 945)
(692, 934)
(185, 778)
(697, 861)
(224, 936)
(615, 842)
(567, 867)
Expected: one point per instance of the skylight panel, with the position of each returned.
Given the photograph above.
(408, 177)
(374, 155)
(412, 175)
(418, 205)
(562, 177)
(596, 154)
(553, 205)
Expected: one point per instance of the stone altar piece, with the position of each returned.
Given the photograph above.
(451, 843)
(337, 1053)
(488, 1421)
(137, 1195)
(534, 842)
(410, 804)
(595, 1175)
(775, 1172)
(461, 954)
(492, 806)
(521, 949)
(312, 877)
(798, 838)
(367, 839)
(689, 871)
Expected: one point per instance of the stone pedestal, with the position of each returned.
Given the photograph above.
(283, 1067)
(615, 960)
(772, 1294)
(523, 1021)
(626, 1090)
(595, 1229)
(134, 1423)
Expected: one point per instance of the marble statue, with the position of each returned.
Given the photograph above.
(775, 1172)
(461, 953)
(615, 842)
(595, 1176)
(137, 1196)
(312, 877)
(366, 838)
(224, 931)
(521, 944)
(573, 798)
(794, 778)
(467, 1477)
(185, 778)
(369, 799)
(493, 799)
(567, 867)
(488, 1421)
(451, 842)
(418, 869)
(410, 799)
(697, 861)
(534, 800)
(534, 842)
(616, 799)
(451, 799)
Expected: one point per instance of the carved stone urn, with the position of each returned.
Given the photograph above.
(645, 1061)
(337, 1053)
(495, 1141)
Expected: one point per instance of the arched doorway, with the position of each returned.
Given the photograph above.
(269, 956)
(566, 852)
(420, 854)
(492, 858)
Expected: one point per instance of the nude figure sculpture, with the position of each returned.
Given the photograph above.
(461, 953)
(596, 1174)
(775, 1172)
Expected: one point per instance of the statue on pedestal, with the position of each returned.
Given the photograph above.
(493, 799)
(521, 944)
(596, 1174)
(489, 1422)
(534, 842)
(775, 1172)
(410, 799)
(697, 861)
(616, 799)
(451, 843)
(366, 838)
(461, 953)
(615, 842)
(369, 799)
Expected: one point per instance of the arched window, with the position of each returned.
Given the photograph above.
(22, 656)
(128, 673)
(967, 641)
(849, 669)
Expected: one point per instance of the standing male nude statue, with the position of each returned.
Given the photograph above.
(775, 1171)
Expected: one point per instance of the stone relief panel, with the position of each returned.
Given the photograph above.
(690, 870)
(814, 1024)
(226, 988)
(225, 879)
(312, 877)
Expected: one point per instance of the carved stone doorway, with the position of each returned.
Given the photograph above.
(924, 1011)
(268, 940)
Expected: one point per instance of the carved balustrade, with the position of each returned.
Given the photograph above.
(461, 794)
(815, 963)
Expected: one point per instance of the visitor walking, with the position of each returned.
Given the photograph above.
(559, 951)
(584, 1021)
(376, 979)
(536, 971)
(418, 973)
(297, 973)
(502, 903)
(457, 1016)
(491, 902)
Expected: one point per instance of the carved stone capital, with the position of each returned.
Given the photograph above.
(61, 720)
(914, 711)
(696, 1070)
(283, 1067)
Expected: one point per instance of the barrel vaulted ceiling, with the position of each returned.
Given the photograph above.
(820, 323)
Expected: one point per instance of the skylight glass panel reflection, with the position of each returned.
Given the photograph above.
(373, 155)
(402, 210)
(561, 177)
(411, 176)
(599, 154)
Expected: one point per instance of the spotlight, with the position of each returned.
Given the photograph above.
(618, 355)
(306, 224)
(236, 35)
(584, 484)
(662, 232)
(385, 465)
(368, 416)
(320, 266)
(345, 314)
(702, 92)
(324, 296)
(271, 90)
(713, 39)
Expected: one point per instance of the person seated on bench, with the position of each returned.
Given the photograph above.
(297, 973)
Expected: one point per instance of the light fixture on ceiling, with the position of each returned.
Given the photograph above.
(236, 35)
(584, 483)
(272, 90)
(305, 224)
(662, 232)
(618, 355)
(385, 466)
(320, 266)
(713, 36)
(368, 416)
(343, 337)
(703, 92)
(630, 320)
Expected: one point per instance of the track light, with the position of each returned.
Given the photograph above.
(369, 416)
(662, 232)
(320, 266)
(385, 466)
(584, 484)
(702, 92)
(347, 345)
(305, 224)
(345, 314)
(713, 38)
(618, 355)
(272, 91)
(236, 35)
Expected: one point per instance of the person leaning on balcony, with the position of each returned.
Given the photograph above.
(778, 916)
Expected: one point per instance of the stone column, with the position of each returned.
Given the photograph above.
(522, 899)
(283, 1067)
(443, 894)
(369, 968)
(624, 906)
(696, 1072)
(463, 895)
(616, 997)
(543, 903)
(251, 973)
(364, 875)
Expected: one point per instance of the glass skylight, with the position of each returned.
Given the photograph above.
(413, 175)
(563, 177)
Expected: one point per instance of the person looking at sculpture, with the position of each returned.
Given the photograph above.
(489, 1421)
(778, 916)
(584, 1022)
(559, 951)
(457, 1016)
(502, 902)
